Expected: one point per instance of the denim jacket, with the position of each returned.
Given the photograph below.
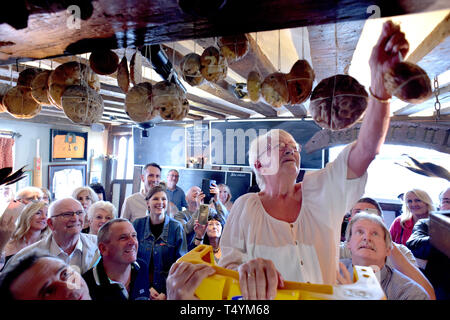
(163, 251)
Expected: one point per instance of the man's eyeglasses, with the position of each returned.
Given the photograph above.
(295, 147)
(68, 214)
(29, 199)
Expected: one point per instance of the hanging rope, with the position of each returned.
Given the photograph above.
(303, 43)
(337, 47)
(10, 75)
(279, 50)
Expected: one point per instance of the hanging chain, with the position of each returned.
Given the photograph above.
(437, 104)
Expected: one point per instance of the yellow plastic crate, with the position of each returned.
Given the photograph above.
(224, 284)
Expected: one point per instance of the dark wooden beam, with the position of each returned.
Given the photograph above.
(43, 31)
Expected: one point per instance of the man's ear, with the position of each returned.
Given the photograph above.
(142, 178)
(102, 248)
(388, 251)
(50, 223)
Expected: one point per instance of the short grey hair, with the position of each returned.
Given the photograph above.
(374, 218)
(104, 233)
(104, 205)
(24, 191)
(54, 204)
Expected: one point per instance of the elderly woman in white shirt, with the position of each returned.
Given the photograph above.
(291, 231)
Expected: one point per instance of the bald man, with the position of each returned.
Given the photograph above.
(66, 241)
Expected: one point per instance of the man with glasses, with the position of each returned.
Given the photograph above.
(66, 241)
(28, 194)
(176, 194)
(22, 198)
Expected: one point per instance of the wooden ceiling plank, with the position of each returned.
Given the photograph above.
(207, 112)
(194, 117)
(42, 31)
(214, 106)
(324, 51)
(433, 39)
(297, 110)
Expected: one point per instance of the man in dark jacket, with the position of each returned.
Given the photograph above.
(118, 275)
(438, 264)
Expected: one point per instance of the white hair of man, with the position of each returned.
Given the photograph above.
(56, 203)
(24, 192)
(371, 217)
(103, 205)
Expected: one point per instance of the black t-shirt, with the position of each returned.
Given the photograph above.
(156, 229)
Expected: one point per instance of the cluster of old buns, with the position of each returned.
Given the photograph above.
(145, 101)
(212, 64)
(72, 87)
(339, 101)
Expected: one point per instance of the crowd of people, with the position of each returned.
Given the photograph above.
(80, 247)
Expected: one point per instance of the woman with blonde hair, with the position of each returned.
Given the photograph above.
(86, 196)
(225, 196)
(32, 227)
(417, 204)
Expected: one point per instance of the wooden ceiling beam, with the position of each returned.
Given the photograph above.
(326, 47)
(433, 52)
(207, 112)
(215, 106)
(42, 31)
(433, 39)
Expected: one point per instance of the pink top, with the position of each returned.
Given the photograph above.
(396, 230)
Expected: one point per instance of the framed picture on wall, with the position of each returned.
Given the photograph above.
(64, 178)
(68, 145)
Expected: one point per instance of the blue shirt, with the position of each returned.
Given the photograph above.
(178, 197)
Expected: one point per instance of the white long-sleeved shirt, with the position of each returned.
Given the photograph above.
(306, 250)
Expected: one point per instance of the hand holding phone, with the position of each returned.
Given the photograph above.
(203, 214)
(207, 184)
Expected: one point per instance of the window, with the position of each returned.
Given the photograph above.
(125, 157)
(387, 179)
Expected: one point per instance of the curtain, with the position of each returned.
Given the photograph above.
(6, 156)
